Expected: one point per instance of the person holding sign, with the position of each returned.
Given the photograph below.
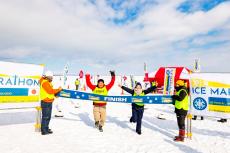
(181, 102)
(47, 95)
(99, 107)
(138, 107)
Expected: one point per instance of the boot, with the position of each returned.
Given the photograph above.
(180, 137)
(179, 133)
(100, 128)
(44, 133)
(50, 131)
(132, 120)
(138, 132)
(97, 124)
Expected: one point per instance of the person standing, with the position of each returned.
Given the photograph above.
(138, 108)
(47, 95)
(77, 83)
(99, 107)
(181, 102)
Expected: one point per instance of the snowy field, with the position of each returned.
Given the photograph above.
(75, 132)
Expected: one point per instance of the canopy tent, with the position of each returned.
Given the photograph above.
(181, 73)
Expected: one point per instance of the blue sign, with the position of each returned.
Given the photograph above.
(14, 91)
(219, 101)
(199, 103)
(151, 99)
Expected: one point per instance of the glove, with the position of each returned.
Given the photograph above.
(60, 89)
(173, 99)
(112, 73)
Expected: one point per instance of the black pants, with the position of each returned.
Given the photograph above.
(137, 114)
(181, 121)
(46, 116)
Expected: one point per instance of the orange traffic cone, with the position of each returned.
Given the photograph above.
(84, 88)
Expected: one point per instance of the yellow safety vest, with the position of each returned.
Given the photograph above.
(43, 93)
(184, 104)
(77, 82)
(141, 103)
(100, 91)
(153, 83)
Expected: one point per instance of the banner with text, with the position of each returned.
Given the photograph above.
(19, 83)
(210, 94)
(169, 81)
(148, 99)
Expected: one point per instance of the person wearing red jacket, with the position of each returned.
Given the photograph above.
(99, 107)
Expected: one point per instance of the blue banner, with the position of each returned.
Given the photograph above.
(219, 101)
(14, 91)
(151, 99)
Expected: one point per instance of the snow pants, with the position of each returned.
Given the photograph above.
(99, 113)
(46, 116)
(137, 114)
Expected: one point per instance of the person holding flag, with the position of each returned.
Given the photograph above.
(99, 107)
(47, 95)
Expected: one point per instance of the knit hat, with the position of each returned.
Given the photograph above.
(138, 84)
(180, 82)
(100, 80)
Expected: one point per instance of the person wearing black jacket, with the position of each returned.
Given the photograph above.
(181, 108)
(138, 108)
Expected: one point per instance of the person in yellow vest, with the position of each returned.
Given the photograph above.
(77, 83)
(47, 95)
(181, 102)
(138, 108)
(99, 107)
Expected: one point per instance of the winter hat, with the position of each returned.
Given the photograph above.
(138, 84)
(180, 82)
(100, 80)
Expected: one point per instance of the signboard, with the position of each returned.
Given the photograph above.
(210, 94)
(169, 81)
(19, 83)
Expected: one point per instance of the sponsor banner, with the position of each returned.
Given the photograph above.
(210, 94)
(169, 81)
(19, 83)
(151, 99)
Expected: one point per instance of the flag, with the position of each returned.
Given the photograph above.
(125, 78)
(145, 67)
(81, 74)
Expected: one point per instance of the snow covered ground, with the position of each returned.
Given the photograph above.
(75, 132)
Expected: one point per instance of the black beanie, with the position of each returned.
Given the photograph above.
(100, 80)
(138, 84)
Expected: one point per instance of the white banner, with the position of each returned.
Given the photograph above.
(169, 81)
(19, 84)
(210, 94)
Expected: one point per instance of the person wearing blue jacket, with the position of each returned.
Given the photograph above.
(138, 108)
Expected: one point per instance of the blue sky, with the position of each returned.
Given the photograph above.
(190, 6)
(99, 35)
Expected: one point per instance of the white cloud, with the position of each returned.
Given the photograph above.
(79, 32)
